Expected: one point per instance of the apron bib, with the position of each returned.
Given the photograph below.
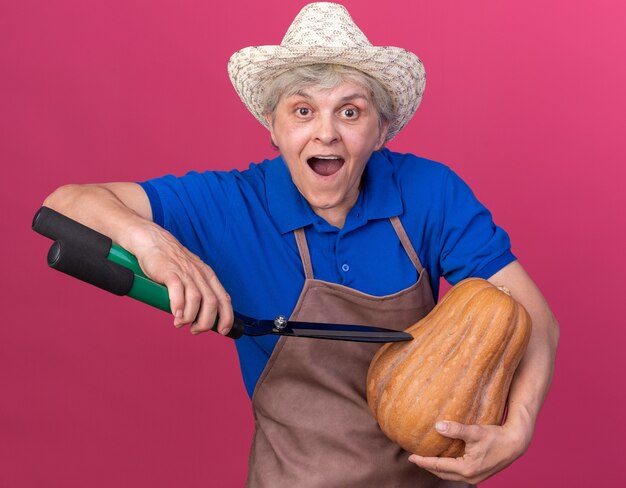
(313, 427)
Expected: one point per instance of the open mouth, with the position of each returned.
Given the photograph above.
(325, 165)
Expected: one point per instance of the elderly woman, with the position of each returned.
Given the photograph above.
(337, 228)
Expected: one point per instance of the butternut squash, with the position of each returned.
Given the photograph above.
(459, 366)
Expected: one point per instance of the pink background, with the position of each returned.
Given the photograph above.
(524, 99)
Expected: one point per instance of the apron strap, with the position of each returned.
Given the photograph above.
(303, 247)
(305, 256)
(406, 243)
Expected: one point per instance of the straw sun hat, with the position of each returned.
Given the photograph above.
(325, 33)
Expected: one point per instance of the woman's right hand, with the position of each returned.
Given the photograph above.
(196, 294)
(122, 211)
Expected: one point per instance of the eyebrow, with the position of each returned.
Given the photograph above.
(347, 98)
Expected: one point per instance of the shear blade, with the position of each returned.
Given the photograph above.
(360, 333)
(369, 336)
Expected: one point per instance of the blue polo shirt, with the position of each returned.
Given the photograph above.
(241, 224)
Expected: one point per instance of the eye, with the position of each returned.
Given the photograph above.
(350, 113)
(303, 111)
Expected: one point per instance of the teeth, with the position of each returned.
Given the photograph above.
(327, 157)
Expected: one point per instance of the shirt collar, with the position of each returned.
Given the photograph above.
(380, 197)
(286, 205)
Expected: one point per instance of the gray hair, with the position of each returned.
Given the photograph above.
(327, 76)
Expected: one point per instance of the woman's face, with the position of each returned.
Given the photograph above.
(326, 137)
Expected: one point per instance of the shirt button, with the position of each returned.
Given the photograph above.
(345, 267)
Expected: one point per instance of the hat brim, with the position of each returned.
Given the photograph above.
(399, 71)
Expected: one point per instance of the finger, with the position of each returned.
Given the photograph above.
(456, 430)
(445, 468)
(224, 305)
(226, 314)
(176, 292)
(207, 312)
(216, 305)
(193, 300)
(453, 469)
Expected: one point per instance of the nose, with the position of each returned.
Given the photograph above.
(326, 130)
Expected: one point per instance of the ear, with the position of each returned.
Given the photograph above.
(270, 126)
(382, 138)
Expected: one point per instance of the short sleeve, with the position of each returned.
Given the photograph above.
(195, 208)
(472, 245)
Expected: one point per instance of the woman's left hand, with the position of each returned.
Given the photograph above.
(488, 450)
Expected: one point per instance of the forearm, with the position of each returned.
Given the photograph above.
(533, 376)
(103, 209)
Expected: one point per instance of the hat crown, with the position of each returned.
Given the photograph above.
(324, 24)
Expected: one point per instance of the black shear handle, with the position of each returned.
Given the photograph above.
(82, 252)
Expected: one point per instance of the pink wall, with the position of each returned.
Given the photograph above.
(524, 100)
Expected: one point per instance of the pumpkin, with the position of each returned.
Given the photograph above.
(459, 366)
